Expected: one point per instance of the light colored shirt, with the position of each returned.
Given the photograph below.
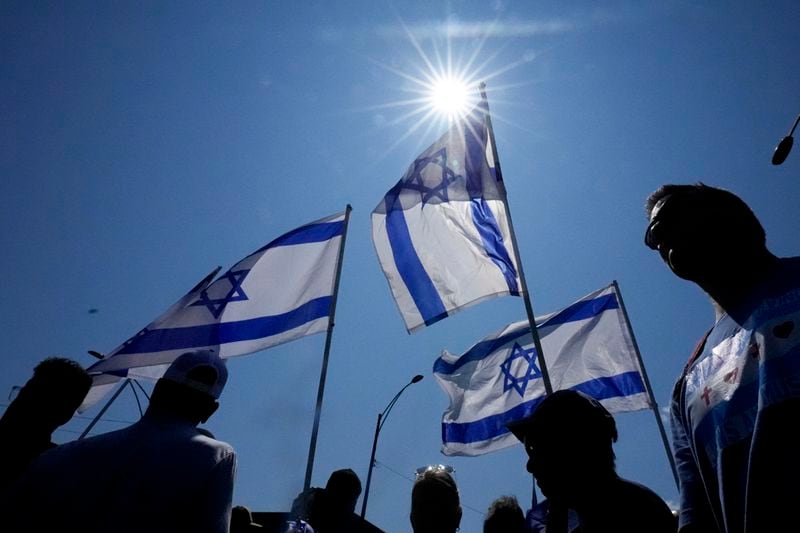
(159, 474)
(733, 412)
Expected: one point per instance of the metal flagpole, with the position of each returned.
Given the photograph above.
(548, 388)
(647, 385)
(315, 430)
(105, 408)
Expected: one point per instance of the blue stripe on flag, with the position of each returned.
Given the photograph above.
(479, 351)
(158, 340)
(319, 232)
(626, 384)
(486, 224)
(582, 310)
(419, 284)
(578, 311)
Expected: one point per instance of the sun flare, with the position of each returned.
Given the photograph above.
(450, 96)
(443, 85)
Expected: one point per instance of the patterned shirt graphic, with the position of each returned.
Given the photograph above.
(734, 410)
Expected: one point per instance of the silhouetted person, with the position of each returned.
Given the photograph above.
(331, 509)
(48, 400)
(504, 516)
(159, 474)
(342, 491)
(569, 439)
(307, 506)
(435, 505)
(738, 463)
(242, 520)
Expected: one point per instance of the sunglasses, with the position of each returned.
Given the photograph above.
(683, 224)
(651, 239)
(447, 469)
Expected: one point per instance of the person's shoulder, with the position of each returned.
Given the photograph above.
(636, 492)
(205, 440)
(781, 289)
(785, 274)
(789, 266)
(71, 457)
(89, 445)
(645, 506)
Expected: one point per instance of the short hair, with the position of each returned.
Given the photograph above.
(344, 482)
(435, 504)
(743, 220)
(504, 515)
(66, 374)
(569, 412)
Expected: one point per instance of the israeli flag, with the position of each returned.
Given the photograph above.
(275, 295)
(103, 383)
(442, 233)
(587, 348)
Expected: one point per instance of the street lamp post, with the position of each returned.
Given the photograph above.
(378, 425)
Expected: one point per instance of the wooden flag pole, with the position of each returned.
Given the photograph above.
(653, 403)
(323, 373)
(548, 388)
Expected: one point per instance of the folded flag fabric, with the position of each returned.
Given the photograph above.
(277, 294)
(587, 347)
(442, 233)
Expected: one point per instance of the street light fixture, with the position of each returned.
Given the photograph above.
(382, 420)
(785, 146)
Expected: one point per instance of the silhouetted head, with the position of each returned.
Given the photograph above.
(308, 506)
(50, 398)
(242, 520)
(435, 505)
(343, 489)
(191, 386)
(569, 439)
(695, 227)
(504, 516)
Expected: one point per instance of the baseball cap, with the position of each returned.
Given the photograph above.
(565, 409)
(202, 370)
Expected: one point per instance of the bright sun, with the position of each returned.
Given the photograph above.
(450, 96)
(443, 87)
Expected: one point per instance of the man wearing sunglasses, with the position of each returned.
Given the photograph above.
(736, 406)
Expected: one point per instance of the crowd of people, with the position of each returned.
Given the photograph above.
(732, 414)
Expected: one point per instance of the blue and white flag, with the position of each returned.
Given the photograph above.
(275, 295)
(103, 383)
(442, 234)
(587, 347)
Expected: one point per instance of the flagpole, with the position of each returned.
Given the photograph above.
(548, 387)
(105, 408)
(315, 430)
(647, 385)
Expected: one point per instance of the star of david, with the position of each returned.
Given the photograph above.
(519, 383)
(417, 183)
(235, 294)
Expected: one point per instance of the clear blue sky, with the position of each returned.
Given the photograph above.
(144, 143)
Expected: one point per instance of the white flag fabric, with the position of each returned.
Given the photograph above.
(103, 383)
(277, 294)
(587, 347)
(442, 234)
